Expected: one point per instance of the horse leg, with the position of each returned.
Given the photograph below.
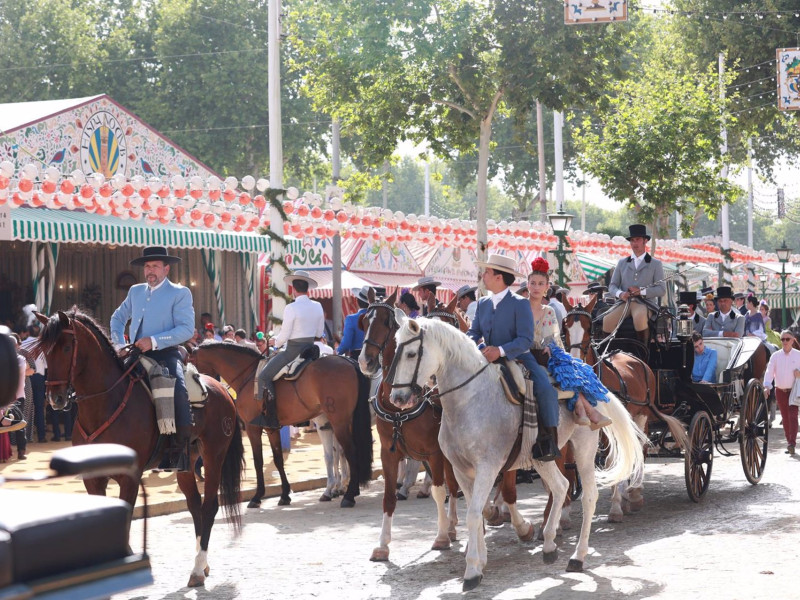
(477, 491)
(584, 458)
(254, 435)
(96, 486)
(390, 462)
(342, 469)
(409, 478)
(344, 437)
(616, 512)
(326, 437)
(452, 509)
(196, 506)
(436, 465)
(508, 488)
(427, 482)
(274, 436)
(558, 485)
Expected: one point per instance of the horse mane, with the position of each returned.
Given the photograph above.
(458, 349)
(232, 347)
(52, 330)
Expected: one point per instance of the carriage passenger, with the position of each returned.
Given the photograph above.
(546, 335)
(505, 323)
(724, 322)
(754, 321)
(705, 361)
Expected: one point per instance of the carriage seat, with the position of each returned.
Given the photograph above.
(727, 349)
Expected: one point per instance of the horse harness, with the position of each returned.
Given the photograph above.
(133, 379)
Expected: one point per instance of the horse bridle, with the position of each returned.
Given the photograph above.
(416, 389)
(583, 346)
(393, 327)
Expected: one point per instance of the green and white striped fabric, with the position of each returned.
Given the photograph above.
(250, 268)
(56, 226)
(594, 267)
(44, 257)
(211, 262)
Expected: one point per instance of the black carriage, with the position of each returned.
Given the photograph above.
(731, 410)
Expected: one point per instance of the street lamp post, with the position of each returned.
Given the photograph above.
(560, 223)
(763, 280)
(783, 255)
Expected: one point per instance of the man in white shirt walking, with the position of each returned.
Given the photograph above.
(782, 370)
(303, 321)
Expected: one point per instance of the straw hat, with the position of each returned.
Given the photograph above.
(301, 276)
(426, 281)
(498, 262)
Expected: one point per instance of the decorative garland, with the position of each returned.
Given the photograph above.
(273, 196)
(727, 260)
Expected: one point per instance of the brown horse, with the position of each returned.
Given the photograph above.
(413, 433)
(331, 385)
(631, 380)
(114, 406)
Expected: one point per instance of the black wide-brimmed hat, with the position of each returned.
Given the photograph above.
(155, 253)
(724, 291)
(687, 297)
(595, 287)
(637, 230)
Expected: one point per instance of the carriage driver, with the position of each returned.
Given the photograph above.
(162, 317)
(303, 322)
(636, 278)
(505, 322)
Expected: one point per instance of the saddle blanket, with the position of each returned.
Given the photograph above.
(162, 391)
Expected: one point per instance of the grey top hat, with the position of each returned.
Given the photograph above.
(155, 253)
(302, 276)
(464, 290)
(637, 230)
(423, 281)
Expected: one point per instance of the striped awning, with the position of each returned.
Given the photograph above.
(45, 225)
(595, 267)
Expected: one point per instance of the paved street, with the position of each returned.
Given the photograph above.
(739, 543)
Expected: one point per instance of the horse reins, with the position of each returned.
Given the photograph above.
(392, 328)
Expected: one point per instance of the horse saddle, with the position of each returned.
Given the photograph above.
(164, 386)
(513, 380)
(294, 369)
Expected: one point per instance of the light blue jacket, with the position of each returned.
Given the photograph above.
(167, 316)
(705, 366)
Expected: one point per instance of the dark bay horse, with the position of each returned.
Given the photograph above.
(413, 433)
(630, 379)
(114, 406)
(331, 385)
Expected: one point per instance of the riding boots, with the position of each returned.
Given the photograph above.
(178, 453)
(644, 338)
(546, 446)
(269, 414)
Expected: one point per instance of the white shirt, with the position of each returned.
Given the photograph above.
(471, 309)
(303, 318)
(496, 298)
(781, 369)
(324, 349)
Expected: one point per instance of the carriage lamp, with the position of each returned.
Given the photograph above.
(560, 223)
(684, 325)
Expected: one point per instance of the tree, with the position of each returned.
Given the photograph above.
(440, 71)
(748, 35)
(658, 148)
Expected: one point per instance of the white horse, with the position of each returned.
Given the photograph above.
(479, 428)
(338, 471)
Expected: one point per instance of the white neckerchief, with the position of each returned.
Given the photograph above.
(153, 289)
(637, 260)
(496, 298)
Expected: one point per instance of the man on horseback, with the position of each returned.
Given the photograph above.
(161, 317)
(725, 322)
(352, 334)
(637, 280)
(427, 288)
(303, 322)
(505, 323)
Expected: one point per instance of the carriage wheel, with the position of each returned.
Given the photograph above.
(698, 461)
(754, 431)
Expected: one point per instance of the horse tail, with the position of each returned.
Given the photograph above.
(362, 431)
(676, 428)
(625, 442)
(231, 478)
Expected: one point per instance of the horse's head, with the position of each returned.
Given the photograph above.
(450, 314)
(379, 325)
(578, 329)
(59, 344)
(412, 367)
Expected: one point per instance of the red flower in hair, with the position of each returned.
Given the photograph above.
(540, 265)
(210, 326)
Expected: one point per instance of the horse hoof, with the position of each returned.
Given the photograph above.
(254, 504)
(196, 580)
(550, 557)
(401, 496)
(528, 537)
(347, 503)
(423, 495)
(284, 501)
(637, 505)
(614, 518)
(206, 571)
(575, 566)
(471, 583)
(506, 517)
(380, 555)
(441, 544)
(325, 498)
(452, 535)
(493, 517)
